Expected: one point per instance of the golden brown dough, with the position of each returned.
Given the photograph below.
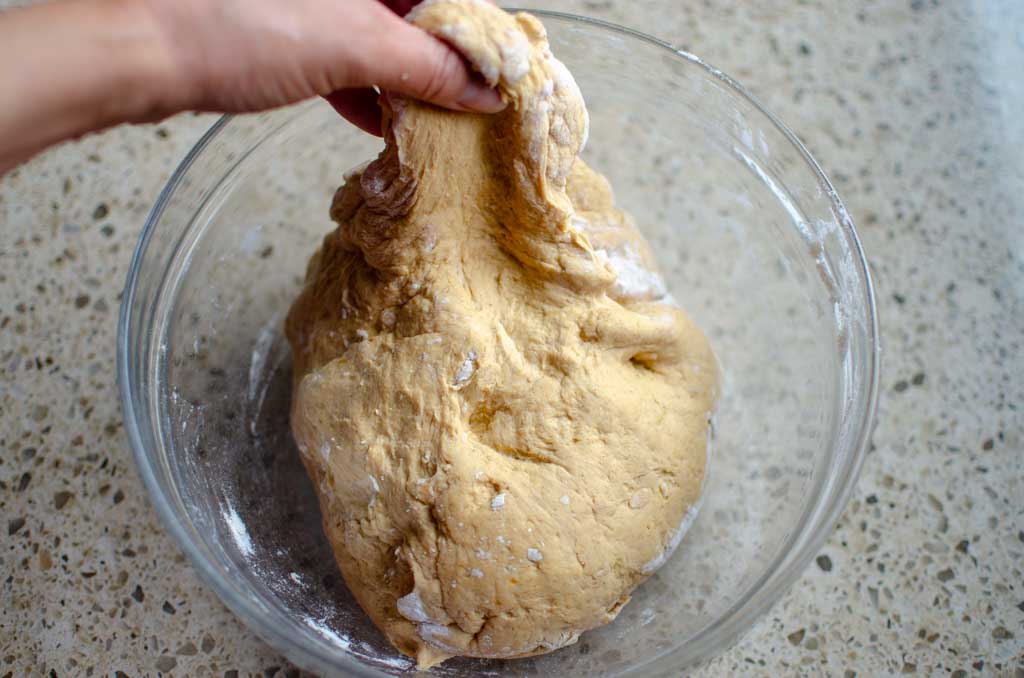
(505, 418)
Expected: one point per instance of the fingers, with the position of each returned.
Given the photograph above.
(410, 61)
(358, 106)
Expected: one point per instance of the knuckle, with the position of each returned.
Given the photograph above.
(442, 75)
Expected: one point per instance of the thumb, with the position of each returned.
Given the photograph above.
(410, 61)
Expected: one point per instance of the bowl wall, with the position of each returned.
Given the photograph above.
(754, 245)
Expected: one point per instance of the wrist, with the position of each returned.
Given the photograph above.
(70, 67)
(145, 81)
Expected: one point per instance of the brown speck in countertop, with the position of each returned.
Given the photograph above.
(166, 663)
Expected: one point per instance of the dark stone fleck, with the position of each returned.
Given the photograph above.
(963, 546)
(585, 648)
(291, 673)
(805, 49)
(917, 379)
(231, 674)
(207, 644)
(82, 300)
(28, 453)
(14, 525)
(118, 497)
(168, 608)
(796, 637)
(101, 211)
(107, 230)
(162, 133)
(959, 673)
(872, 499)
(138, 594)
(266, 252)
(120, 674)
(26, 478)
(1002, 633)
(824, 562)
(909, 668)
(61, 499)
(1020, 606)
(271, 672)
(899, 299)
(988, 445)
(128, 553)
(945, 575)
(166, 663)
(187, 650)
(978, 665)
(900, 386)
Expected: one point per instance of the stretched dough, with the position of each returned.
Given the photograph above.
(505, 416)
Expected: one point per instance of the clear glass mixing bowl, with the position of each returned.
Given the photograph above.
(755, 245)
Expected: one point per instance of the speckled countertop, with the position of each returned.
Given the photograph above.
(915, 108)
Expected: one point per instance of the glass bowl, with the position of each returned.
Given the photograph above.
(755, 245)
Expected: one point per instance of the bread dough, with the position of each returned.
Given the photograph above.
(504, 415)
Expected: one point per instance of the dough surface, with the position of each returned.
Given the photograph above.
(505, 416)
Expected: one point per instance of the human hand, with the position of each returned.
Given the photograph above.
(249, 55)
(76, 66)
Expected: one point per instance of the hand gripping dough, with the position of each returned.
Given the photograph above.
(505, 417)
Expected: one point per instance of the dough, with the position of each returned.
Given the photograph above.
(504, 415)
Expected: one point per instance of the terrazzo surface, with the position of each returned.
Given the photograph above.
(914, 109)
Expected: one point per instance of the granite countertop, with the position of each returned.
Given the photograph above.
(913, 107)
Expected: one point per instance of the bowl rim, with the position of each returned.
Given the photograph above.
(718, 636)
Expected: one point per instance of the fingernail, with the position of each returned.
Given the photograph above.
(480, 98)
